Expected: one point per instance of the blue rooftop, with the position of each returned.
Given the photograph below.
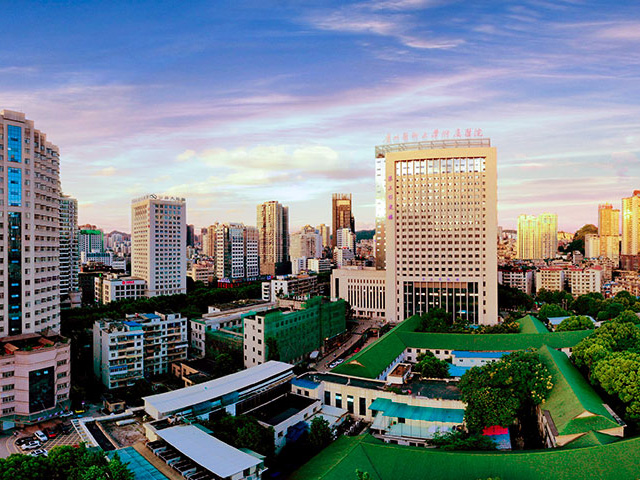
(304, 383)
(466, 354)
(150, 315)
(130, 323)
(139, 466)
(456, 371)
(557, 320)
(426, 414)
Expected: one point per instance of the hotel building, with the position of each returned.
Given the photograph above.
(440, 228)
(158, 244)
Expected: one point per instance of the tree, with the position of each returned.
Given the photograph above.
(360, 475)
(610, 309)
(578, 238)
(575, 322)
(243, 431)
(462, 441)
(497, 393)
(588, 304)
(559, 297)
(551, 310)
(430, 367)
(619, 374)
(435, 320)
(513, 299)
(627, 316)
(320, 434)
(609, 338)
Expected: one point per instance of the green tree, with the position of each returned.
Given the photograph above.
(575, 322)
(610, 308)
(588, 304)
(435, 320)
(609, 338)
(497, 393)
(430, 367)
(559, 297)
(551, 310)
(619, 374)
(627, 316)
(513, 299)
(320, 434)
(462, 441)
(360, 475)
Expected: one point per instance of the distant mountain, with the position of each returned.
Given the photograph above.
(364, 235)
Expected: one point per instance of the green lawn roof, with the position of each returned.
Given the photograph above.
(571, 396)
(530, 324)
(373, 360)
(591, 439)
(339, 461)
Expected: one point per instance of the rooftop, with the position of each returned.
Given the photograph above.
(183, 398)
(390, 408)
(281, 409)
(207, 451)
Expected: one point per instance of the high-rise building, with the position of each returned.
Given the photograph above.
(440, 229)
(537, 236)
(305, 244)
(609, 231)
(69, 256)
(345, 238)
(236, 252)
(190, 235)
(158, 244)
(341, 214)
(90, 241)
(35, 382)
(325, 232)
(631, 224)
(209, 240)
(273, 237)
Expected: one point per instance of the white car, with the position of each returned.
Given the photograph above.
(31, 445)
(39, 453)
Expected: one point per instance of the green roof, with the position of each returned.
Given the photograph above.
(373, 360)
(572, 396)
(339, 461)
(591, 439)
(530, 324)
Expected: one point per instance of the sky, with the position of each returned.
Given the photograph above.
(233, 103)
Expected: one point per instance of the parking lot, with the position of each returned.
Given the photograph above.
(72, 438)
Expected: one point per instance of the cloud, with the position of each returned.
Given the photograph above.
(106, 172)
(626, 31)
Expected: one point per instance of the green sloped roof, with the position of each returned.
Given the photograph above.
(530, 324)
(339, 461)
(591, 439)
(571, 396)
(373, 360)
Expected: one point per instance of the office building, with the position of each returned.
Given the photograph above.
(631, 224)
(69, 256)
(295, 333)
(537, 236)
(440, 229)
(143, 345)
(113, 287)
(190, 235)
(236, 253)
(341, 214)
(30, 225)
(273, 237)
(325, 232)
(158, 244)
(90, 241)
(363, 288)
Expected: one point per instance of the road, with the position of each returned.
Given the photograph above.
(363, 325)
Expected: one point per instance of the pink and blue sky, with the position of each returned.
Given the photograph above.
(231, 103)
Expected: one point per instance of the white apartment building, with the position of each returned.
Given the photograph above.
(113, 287)
(158, 244)
(520, 279)
(583, 281)
(69, 260)
(440, 228)
(592, 245)
(142, 345)
(29, 228)
(118, 351)
(345, 238)
(318, 265)
(202, 273)
(305, 244)
(363, 288)
(290, 286)
(221, 317)
(552, 278)
(343, 256)
(298, 265)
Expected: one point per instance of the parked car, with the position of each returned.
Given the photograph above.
(50, 432)
(339, 361)
(40, 435)
(39, 453)
(31, 445)
(67, 414)
(23, 440)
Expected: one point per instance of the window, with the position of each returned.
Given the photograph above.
(6, 388)
(327, 398)
(350, 403)
(338, 400)
(362, 406)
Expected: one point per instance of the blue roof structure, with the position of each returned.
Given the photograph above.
(466, 354)
(139, 466)
(456, 371)
(426, 414)
(304, 383)
(557, 320)
(130, 323)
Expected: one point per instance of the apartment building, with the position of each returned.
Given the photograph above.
(551, 278)
(273, 237)
(69, 257)
(300, 286)
(537, 236)
(515, 278)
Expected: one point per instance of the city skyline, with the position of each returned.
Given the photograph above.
(226, 106)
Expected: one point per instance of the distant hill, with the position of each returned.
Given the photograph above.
(364, 235)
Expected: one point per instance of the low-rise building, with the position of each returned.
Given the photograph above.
(113, 287)
(301, 286)
(296, 333)
(221, 317)
(627, 282)
(517, 278)
(583, 281)
(319, 265)
(141, 346)
(35, 378)
(363, 288)
(551, 278)
(202, 273)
